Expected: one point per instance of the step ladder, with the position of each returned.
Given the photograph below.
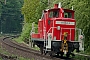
(47, 42)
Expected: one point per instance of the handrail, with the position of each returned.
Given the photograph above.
(47, 34)
(50, 29)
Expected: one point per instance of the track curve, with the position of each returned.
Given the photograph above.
(19, 50)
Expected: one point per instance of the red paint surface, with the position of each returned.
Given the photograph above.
(43, 25)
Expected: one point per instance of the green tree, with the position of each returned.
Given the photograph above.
(11, 16)
(32, 11)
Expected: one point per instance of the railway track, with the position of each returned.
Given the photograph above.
(6, 57)
(85, 57)
(26, 52)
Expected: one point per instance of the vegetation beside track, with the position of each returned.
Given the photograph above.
(81, 57)
(22, 42)
(3, 51)
(6, 53)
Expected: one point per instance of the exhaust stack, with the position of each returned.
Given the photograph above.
(57, 5)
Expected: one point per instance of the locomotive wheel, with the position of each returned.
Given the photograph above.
(72, 54)
(62, 54)
(44, 52)
(57, 55)
(68, 55)
(41, 49)
(51, 53)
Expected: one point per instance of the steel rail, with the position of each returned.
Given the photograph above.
(25, 49)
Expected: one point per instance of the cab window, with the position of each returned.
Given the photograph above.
(67, 15)
(54, 14)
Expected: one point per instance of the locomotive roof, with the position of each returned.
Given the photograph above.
(69, 10)
(60, 8)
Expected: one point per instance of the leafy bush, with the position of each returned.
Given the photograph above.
(32, 11)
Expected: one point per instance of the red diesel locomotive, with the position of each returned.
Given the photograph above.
(56, 32)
